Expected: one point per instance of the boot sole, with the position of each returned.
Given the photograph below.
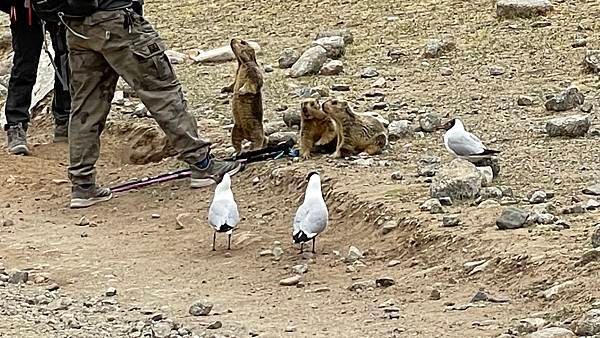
(19, 150)
(196, 183)
(77, 203)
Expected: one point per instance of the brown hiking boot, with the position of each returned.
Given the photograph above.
(213, 172)
(83, 197)
(16, 139)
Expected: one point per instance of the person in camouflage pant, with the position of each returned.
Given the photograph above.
(122, 43)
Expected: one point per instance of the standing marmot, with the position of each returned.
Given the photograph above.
(316, 128)
(247, 99)
(355, 133)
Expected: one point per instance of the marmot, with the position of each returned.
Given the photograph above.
(247, 99)
(355, 133)
(316, 128)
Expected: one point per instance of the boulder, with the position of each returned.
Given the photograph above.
(282, 136)
(333, 67)
(589, 324)
(509, 9)
(592, 60)
(553, 332)
(436, 47)
(310, 62)
(344, 33)
(566, 100)
(288, 57)
(569, 126)
(458, 180)
(222, 54)
(512, 218)
(400, 129)
(334, 45)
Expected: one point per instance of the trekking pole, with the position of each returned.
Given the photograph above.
(270, 153)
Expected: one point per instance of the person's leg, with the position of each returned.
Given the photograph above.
(93, 85)
(27, 44)
(61, 102)
(140, 59)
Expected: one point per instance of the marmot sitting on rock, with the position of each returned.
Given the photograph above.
(355, 133)
(316, 128)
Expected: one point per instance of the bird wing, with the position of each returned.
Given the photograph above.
(223, 211)
(311, 218)
(465, 144)
(301, 215)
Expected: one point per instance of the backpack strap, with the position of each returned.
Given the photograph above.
(59, 75)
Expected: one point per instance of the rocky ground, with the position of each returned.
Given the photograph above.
(418, 244)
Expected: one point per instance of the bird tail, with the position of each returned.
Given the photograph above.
(225, 228)
(489, 152)
(300, 237)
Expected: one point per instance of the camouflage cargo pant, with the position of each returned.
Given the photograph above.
(122, 43)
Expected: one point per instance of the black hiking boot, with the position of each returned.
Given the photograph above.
(83, 197)
(16, 139)
(61, 133)
(211, 171)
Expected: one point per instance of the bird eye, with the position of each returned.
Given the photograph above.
(244, 42)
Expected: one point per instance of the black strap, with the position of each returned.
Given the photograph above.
(61, 76)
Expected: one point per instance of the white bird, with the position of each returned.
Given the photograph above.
(223, 214)
(463, 144)
(312, 216)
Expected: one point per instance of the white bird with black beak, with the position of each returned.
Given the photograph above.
(223, 214)
(463, 144)
(312, 216)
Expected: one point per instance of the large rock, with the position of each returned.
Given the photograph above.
(288, 57)
(566, 100)
(333, 67)
(201, 308)
(310, 62)
(292, 119)
(282, 136)
(334, 45)
(589, 324)
(592, 190)
(146, 144)
(399, 129)
(592, 60)
(529, 325)
(569, 126)
(522, 8)
(222, 54)
(596, 237)
(430, 122)
(512, 218)
(553, 332)
(18, 277)
(273, 127)
(435, 48)
(458, 180)
(344, 33)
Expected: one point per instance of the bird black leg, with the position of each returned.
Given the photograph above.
(229, 242)
(301, 247)
(314, 245)
(214, 240)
